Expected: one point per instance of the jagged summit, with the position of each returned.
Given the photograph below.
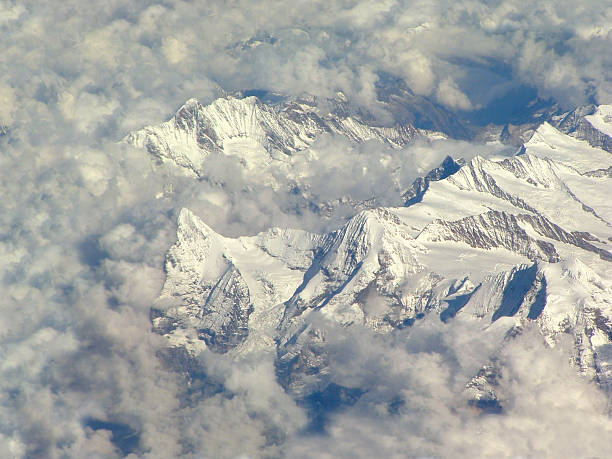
(590, 123)
(574, 150)
(245, 126)
(506, 242)
(447, 168)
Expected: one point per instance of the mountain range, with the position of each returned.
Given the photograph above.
(506, 242)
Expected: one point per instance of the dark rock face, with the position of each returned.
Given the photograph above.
(490, 230)
(483, 390)
(226, 312)
(580, 239)
(409, 108)
(222, 318)
(416, 192)
(595, 138)
(301, 362)
(577, 126)
(455, 304)
(500, 229)
(571, 120)
(302, 369)
(539, 303)
(197, 382)
(189, 118)
(600, 172)
(515, 292)
(485, 183)
(162, 323)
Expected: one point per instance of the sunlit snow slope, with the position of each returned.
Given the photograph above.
(257, 133)
(505, 242)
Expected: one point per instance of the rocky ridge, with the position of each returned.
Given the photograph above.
(509, 243)
(528, 263)
(243, 126)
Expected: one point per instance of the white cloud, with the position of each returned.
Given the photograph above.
(548, 409)
(83, 236)
(7, 104)
(175, 50)
(449, 94)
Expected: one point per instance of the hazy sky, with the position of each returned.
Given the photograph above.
(83, 237)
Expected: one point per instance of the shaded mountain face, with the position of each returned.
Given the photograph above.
(589, 123)
(508, 244)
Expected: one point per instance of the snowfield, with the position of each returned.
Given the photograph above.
(504, 243)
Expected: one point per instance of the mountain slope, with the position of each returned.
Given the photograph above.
(506, 243)
(589, 123)
(247, 128)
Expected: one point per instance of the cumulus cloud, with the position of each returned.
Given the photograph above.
(85, 223)
(116, 66)
(7, 104)
(449, 94)
(318, 189)
(415, 402)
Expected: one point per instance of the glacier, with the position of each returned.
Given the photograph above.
(507, 243)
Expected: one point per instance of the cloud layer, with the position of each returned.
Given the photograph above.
(83, 235)
(114, 66)
(415, 405)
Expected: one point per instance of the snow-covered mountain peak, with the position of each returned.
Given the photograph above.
(243, 125)
(187, 219)
(602, 119)
(507, 241)
(191, 104)
(548, 142)
(590, 123)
